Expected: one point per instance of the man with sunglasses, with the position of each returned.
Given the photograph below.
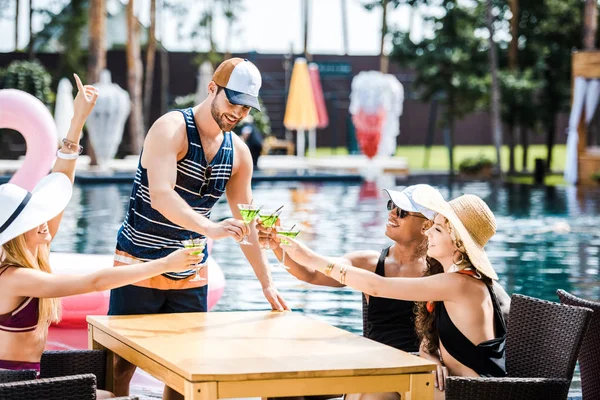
(190, 159)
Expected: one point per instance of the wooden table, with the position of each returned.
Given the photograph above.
(257, 354)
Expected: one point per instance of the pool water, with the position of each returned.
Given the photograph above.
(548, 237)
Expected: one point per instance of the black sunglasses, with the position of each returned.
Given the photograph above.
(207, 173)
(400, 213)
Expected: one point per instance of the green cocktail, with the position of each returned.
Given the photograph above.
(268, 220)
(290, 232)
(200, 244)
(248, 215)
(248, 212)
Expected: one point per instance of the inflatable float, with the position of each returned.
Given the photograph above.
(29, 116)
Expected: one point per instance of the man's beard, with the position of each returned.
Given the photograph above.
(220, 118)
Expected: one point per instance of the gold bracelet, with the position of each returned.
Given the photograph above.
(343, 271)
(328, 269)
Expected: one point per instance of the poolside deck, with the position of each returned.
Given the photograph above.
(346, 167)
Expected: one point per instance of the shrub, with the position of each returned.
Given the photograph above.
(30, 77)
(473, 165)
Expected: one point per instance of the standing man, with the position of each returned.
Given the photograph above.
(190, 158)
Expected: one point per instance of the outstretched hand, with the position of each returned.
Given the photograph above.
(85, 99)
(298, 251)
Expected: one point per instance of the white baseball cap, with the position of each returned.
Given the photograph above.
(241, 80)
(21, 211)
(404, 200)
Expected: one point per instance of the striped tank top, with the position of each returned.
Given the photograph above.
(146, 234)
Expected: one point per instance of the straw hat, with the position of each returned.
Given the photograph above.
(470, 217)
(21, 211)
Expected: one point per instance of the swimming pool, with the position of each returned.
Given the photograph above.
(532, 251)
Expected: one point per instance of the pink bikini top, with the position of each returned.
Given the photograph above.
(24, 318)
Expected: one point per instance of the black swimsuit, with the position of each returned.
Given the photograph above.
(487, 358)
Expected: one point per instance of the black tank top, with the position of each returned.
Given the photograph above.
(389, 321)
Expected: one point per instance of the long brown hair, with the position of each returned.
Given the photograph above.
(16, 253)
(425, 327)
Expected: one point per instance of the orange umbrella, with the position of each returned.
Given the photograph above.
(300, 112)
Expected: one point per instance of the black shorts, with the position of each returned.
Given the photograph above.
(132, 300)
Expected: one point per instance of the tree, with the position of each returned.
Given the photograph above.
(150, 58)
(590, 24)
(134, 81)
(96, 40)
(451, 66)
(495, 88)
(384, 4)
(549, 31)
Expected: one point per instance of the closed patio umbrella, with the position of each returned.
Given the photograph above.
(315, 80)
(300, 111)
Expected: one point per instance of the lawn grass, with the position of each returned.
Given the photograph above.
(438, 156)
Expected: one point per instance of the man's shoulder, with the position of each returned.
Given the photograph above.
(363, 258)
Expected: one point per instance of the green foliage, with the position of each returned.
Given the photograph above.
(596, 176)
(186, 101)
(261, 119)
(30, 77)
(451, 65)
(473, 165)
(520, 93)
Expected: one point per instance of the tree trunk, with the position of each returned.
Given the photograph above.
(345, 26)
(305, 13)
(590, 24)
(383, 59)
(30, 46)
(17, 3)
(150, 57)
(525, 144)
(97, 53)
(164, 66)
(513, 50)
(550, 141)
(493, 57)
(511, 150)
(134, 81)
(97, 42)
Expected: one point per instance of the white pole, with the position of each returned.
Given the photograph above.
(312, 142)
(300, 142)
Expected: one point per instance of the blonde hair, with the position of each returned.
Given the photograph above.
(16, 253)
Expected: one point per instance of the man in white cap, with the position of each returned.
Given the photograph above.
(190, 159)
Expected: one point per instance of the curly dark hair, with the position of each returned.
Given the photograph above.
(424, 320)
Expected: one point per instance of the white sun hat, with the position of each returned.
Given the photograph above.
(22, 211)
(404, 200)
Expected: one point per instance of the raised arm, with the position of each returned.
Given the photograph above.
(165, 141)
(440, 287)
(239, 191)
(27, 282)
(82, 106)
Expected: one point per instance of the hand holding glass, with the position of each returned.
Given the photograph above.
(200, 244)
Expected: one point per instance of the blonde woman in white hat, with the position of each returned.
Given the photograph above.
(459, 320)
(28, 223)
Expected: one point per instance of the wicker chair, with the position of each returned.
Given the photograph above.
(71, 374)
(542, 344)
(589, 355)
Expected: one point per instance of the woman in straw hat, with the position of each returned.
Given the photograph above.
(458, 317)
(28, 222)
